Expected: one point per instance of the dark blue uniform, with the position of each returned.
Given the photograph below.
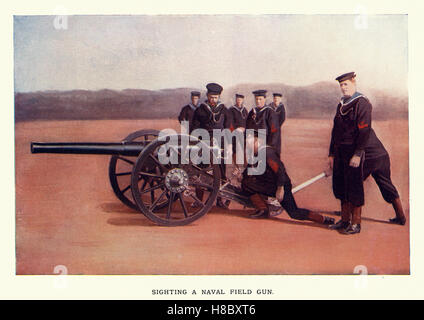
(186, 114)
(275, 176)
(266, 118)
(281, 112)
(352, 134)
(209, 118)
(281, 115)
(239, 117)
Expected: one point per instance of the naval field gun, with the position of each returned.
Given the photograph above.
(164, 193)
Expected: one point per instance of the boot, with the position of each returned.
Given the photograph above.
(352, 229)
(274, 211)
(260, 205)
(400, 215)
(343, 223)
(328, 221)
(316, 217)
(355, 226)
(222, 204)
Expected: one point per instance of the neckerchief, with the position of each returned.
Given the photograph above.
(257, 109)
(347, 101)
(218, 104)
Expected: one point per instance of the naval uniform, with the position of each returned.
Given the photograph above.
(352, 134)
(281, 114)
(275, 175)
(187, 113)
(239, 117)
(266, 118)
(209, 118)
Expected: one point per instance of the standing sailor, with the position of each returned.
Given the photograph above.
(279, 108)
(239, 115)
(210, 115)
(264, 117)
(355, 153)
(187, 111)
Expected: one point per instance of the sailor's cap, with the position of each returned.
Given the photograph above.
(214, 88)
(259, 93)
(346, 76)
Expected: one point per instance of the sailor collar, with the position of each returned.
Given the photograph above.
(192, 106)
(274, 106)
(238, 109)
(257, 110)
(347, 102)
(215, 109)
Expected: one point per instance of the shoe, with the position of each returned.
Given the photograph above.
(260, 214)
(222, 204)
(328, 221)
(273, 202)
(339, 225)
(275, 211)
(400, 215)
(398, 221)
(351, 229)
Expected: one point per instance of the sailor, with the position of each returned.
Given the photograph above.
(187, 111)
(279, 108)
(355, 153)
(264, 117)
(210, 115)
(239, 115)
(274, 182)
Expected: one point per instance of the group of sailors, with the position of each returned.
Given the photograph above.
(355, 153)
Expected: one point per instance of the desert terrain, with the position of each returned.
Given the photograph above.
(67, 213)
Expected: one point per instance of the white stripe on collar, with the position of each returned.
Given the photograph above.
(209, 107)
(237, 108)
(262, 109)
(349, 101)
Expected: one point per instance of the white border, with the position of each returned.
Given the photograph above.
(139, 287)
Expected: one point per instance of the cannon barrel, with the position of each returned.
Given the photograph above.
(118, 148)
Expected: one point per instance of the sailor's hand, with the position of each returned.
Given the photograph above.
(241, 129)
(330, 162)
(280, 193)
(355, 161)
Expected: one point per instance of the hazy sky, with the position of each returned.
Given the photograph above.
(156, 52)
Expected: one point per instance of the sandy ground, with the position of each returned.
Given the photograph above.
(67, 213)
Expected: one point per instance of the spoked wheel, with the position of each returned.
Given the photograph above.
(192, 188)
(120, 168)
